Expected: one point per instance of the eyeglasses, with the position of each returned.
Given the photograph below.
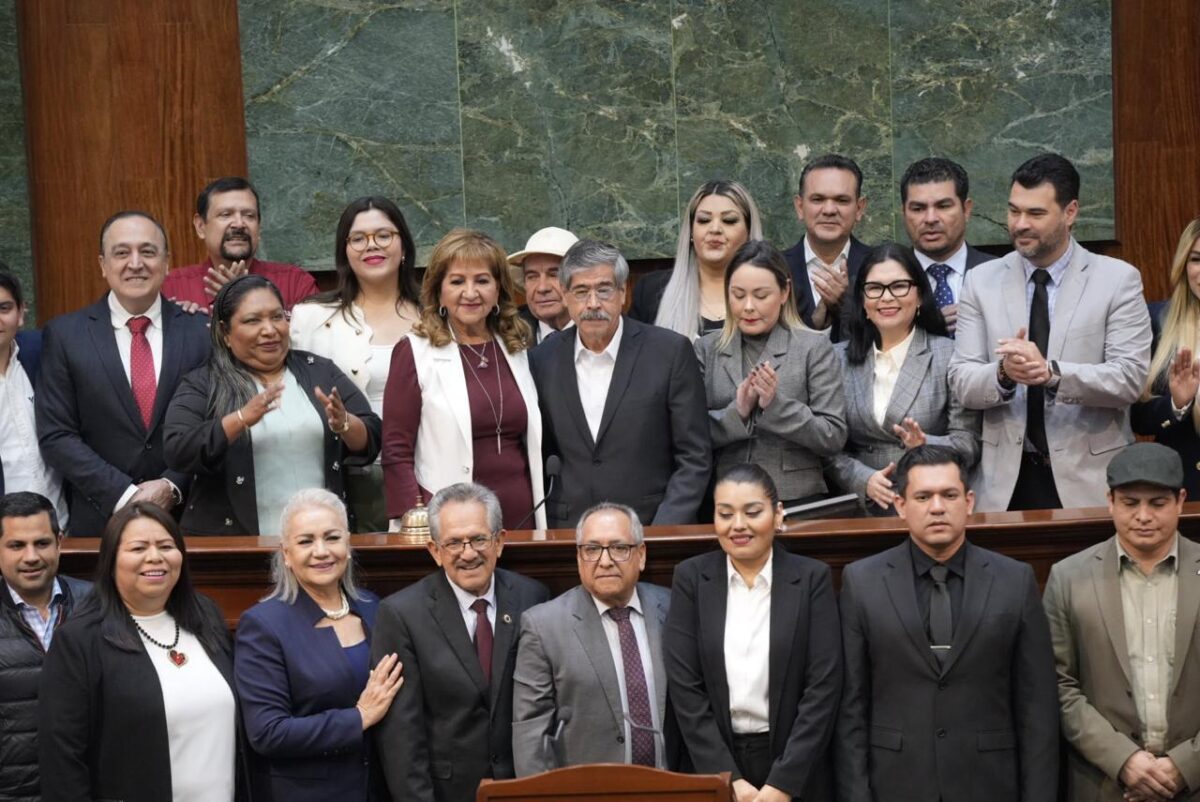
(604, 292)
(618, 552)
(898, 289)
(478, 543)
(382, 238)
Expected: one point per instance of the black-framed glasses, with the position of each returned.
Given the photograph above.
(382, 238)
(478, 543)
(617, 552)
(897, 289)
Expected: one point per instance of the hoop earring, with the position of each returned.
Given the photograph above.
(441, 311)
(496, 310)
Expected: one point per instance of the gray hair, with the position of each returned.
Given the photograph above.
(283, 582)
(635, 525)
(464, 493)
(588, 253)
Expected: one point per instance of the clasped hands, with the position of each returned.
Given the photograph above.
(831, 288)
(1022, 361)
(879, 485)
(1147, 778)
(757, 389)
(743, 791)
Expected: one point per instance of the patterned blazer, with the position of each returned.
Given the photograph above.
(922, 392)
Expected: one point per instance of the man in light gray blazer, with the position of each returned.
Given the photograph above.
(1053, 345)
(589, 685)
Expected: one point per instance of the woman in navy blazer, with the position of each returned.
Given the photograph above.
(302, 665)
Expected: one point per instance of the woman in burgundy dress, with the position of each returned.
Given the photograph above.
(460, 404)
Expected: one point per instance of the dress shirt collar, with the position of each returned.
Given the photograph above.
(120, 317)
(1056, 269)
(465, 599)
(764, 576)
(809, 254)
(957, 261)
(12, 357)
(56, 594)
(635, 603)
(610, 350)
(922, 562)
(1169, 562)
(545, 329)
(898, 352)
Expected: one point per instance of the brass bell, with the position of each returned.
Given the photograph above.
(414, 525)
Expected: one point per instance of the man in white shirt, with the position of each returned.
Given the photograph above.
(21, 464)
(935, 195)
(108, 372)
(535, 269)
(590, 683)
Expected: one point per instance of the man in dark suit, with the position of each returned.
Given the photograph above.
(455, 632)
(108, 372)
(590, 685)
(949, 690)
(535, 271)
(622, 402)
(825, 261)
(937, 207)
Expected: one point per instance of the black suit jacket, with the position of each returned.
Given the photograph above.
(30, 357)
(647, 295)
(88, 423)
(653, 451)
(805, 671)
(447, 728)
(804, 296)
(223, 500)
(982, 727)
(102, 731)
(977, 257)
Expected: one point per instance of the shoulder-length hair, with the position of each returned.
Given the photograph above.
(183, 604)
(284, 585)
(463, 245)
(230, 385)
(679, 310)
(760, 253)
(348, 288)
(861, 334)
(1181, 320)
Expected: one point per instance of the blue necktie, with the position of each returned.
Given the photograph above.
(942, 294)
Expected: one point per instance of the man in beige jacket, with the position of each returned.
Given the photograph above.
(1123, 618)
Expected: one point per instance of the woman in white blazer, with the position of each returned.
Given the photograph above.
(356, 324)
(460, 404)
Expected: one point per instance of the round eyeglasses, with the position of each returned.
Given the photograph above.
(382, 238)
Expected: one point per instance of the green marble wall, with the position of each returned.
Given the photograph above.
(604, 116)
(15, 234)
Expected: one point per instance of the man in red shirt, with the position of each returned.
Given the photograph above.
(227, 220)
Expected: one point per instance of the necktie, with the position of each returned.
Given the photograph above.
(1039, 334)
(141, 368)
(483, 638)
(636, 696)
(941, 623)
(942, 294)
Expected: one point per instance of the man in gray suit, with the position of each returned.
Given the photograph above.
(589, 685)
(1074, 351)
(1123, 621)
(949, 687)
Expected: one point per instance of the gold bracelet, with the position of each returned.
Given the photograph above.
(345, 426)
(242, 419)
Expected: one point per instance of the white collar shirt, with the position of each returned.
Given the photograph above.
(545, 329)
(748, 649)
(466, 599)
(958, 269)
(887, 372)
(24, 468)
(593, 373)
(612, 634)
(154, 334)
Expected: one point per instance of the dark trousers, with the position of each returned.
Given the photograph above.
(752, 754)
(1035, 489)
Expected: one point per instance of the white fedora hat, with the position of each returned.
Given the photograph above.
(551, 240)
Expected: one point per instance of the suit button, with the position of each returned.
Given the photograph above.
(941, 685)
(241, 480)
(149, 446)
(620, 739)
(229, 522)
(328, 325)
(466, 469)
(940, 733)
(596, 461)
(354, 371)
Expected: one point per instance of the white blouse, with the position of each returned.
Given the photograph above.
(748, 649)
(887, 370)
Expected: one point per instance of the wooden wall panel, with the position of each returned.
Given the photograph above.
(129, 104)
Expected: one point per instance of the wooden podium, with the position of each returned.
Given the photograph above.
(608, 782)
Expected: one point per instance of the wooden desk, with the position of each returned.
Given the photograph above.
(234, 570)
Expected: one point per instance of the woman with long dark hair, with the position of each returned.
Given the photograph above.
(137, 697)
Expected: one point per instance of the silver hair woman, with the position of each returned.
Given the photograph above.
(283, 582)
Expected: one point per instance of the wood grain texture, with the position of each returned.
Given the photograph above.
(129, 104)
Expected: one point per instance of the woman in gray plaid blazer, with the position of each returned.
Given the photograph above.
(895, 361)
(773, 386)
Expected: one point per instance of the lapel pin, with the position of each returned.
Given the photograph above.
(506, 618)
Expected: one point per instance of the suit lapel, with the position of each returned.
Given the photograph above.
(1106, 579)
(909, 382)
(731, 361)
(1014, 294)
(589, 629)
(901, 587)
(712, 596)
(105, 341)
(785, 611)
(977, 586)
(504, 634)
(168, 372)
(656, 620)
(1066, 301)
(569, 388)
(1188, 577)
(452, 375)
(860, 381)
(443, 606)
(627, 354)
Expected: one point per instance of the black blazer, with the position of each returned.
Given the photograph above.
(647, 295)
(982, 727)
(653, 452)
(448, 729)
(805, 673)
(102, 731)
(223, 495)
(803, 289)
(30, 357)
(88, 423)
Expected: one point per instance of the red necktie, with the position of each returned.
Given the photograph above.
(141, 368)
(483, 638)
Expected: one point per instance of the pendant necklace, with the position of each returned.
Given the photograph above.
(340, 613)
(177, 657)
(481, 354)
(500, 387)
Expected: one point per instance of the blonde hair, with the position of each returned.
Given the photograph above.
(465, 245)
(1181, 324)
(680, 306)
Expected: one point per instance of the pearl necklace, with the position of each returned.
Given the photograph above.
(340, 613)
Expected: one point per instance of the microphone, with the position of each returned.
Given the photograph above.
(552, 749)
(553, 467)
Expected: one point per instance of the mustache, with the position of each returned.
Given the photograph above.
(595, 314)
(236, 233)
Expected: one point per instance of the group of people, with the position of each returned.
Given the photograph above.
(218, 390)
(935, 673)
